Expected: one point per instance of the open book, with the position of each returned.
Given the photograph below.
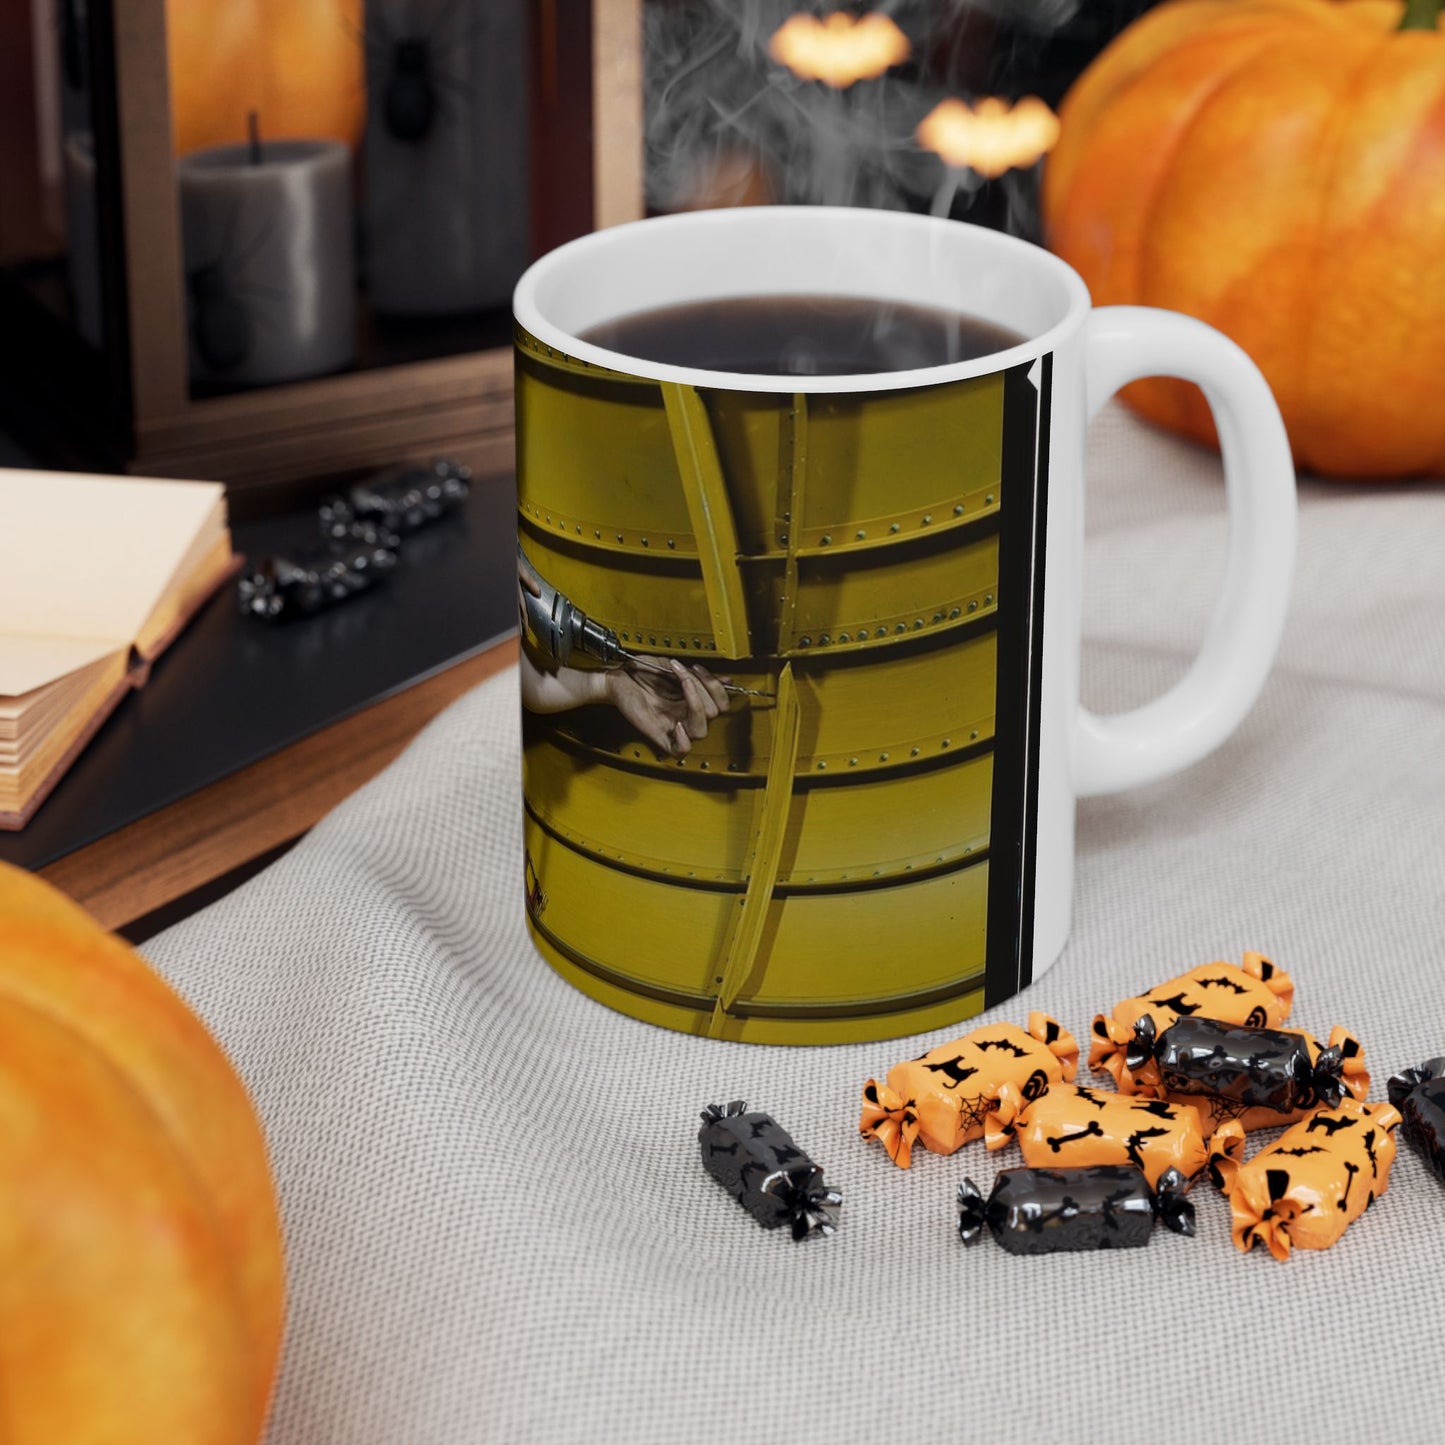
(97, 575)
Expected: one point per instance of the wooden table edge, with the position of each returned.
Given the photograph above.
(190, 843)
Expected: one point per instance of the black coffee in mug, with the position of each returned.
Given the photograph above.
(802, 335)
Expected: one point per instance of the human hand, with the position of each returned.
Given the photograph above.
(671, 705)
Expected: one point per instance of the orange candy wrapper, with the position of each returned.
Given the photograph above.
(1257, 994)
(1215, 1110)
(1303, 1191)
(942, 1098)
(1069, 1126)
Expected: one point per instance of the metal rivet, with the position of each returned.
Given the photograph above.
(973, 735)
(619, 536)
(783, 540)
(644, 541)
(821, 765)
(852, 762)
(843, 637)
(549, 519)
(987, 598)
(894, 528)
(860, 534)
(704, 767)
(862, 634)
(917, 623)
(945, 742)
(732, 767)
(805, 642)
(667, 642)
(938, 617)
(912, 752)
(671, 543)
(827, 538)
(901, 627)
(597, 532)
(579, 529)
(927, 518)
(787, 516)
(989, 498)
(824, 640)
(953, 614)
(882, 757)
(958, 510)
(973, 606)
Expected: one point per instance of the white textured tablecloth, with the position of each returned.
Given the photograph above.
(497, 1224)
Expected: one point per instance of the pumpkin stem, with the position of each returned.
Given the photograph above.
(1420, 15)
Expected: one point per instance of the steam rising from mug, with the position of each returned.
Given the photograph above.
(727, 124)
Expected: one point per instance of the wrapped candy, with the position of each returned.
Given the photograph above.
(1099, 1206)
(1258, 1077)
(1304, 1190)
(1071, 1126)
(1257, 994)
(754, 1158)
(312, 578)
(401, 499)
(942, 1098)
(1419, 1095)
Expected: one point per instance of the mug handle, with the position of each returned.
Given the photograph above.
(1123, 344)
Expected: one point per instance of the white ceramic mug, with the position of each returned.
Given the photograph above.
(717, 517)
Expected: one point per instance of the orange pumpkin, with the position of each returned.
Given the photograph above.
(299, 64)
(140, 1252)
(1275, 168)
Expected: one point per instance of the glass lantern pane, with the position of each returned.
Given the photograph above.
(50, 251)
(354, 181)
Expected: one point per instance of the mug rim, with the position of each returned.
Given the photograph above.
(527, 310)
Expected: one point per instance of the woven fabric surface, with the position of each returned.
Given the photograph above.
(498, 1227)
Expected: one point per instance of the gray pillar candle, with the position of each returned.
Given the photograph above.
(446, 204)
(270, 274)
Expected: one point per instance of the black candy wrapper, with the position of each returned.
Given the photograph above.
(306, 581)
(1419, 1095)
(1253, 1068)
(1094, 1206)
(755, 1159)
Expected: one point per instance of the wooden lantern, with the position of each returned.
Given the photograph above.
(427, 391)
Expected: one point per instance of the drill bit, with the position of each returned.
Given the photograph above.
(652, 664)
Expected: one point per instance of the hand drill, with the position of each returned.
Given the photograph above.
(560, 628)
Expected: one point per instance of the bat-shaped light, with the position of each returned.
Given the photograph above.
(839, 48)
(990, 137)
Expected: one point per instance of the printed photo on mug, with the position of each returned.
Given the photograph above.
(783, 559)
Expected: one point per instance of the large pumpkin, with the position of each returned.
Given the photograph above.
(1277, 169)
(140, 1254)
(299, 64)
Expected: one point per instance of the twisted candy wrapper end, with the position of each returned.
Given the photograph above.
(1265, 1221)
(1106, 1052)
(1226, 1153)
(1400, 1086)
(972, 1211)
(1276, 980)
(1061, 1043)
(890, 1119)
(1353, 1074)
(1139, 1051)
(714, 1112)
(1171, 1202)
(1000, 1124)
(1324, 1079)
(808, 1206)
